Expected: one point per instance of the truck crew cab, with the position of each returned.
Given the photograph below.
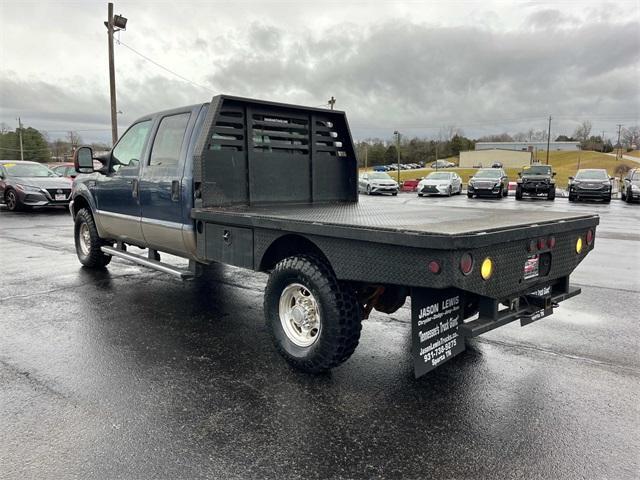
(274, 188)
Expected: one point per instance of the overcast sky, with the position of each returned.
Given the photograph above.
(485, 67)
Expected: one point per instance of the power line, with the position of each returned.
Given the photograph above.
(164, 68)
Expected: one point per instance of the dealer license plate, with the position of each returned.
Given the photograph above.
(60, 196)
(532, 267)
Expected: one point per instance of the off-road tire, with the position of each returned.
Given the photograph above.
(518, 193)
(95, 257)
(552, 194)
(12, 201)
(339, 314)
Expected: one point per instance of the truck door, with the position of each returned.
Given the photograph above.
(161, 185)
(116, 194)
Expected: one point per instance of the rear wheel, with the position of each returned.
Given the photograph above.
(314, 319)
(88, 242)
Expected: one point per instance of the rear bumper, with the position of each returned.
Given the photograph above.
(526, 308)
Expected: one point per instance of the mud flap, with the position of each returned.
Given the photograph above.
(435, 316)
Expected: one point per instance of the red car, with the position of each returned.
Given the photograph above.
(409, 185)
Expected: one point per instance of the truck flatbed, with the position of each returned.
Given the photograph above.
(409, 225)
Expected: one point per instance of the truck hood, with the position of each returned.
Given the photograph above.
(42, 182)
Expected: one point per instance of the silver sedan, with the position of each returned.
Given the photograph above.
(440, 183)
(377, 182)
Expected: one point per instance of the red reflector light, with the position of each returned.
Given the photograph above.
(542, 243)
(434, 267)
(551, 242)
(589, 237)
(466, 263)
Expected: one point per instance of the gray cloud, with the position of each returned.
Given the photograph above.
(387, 75)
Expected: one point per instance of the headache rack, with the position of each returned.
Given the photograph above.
(253, 152)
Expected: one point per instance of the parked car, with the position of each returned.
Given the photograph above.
(65, 169)
(381, 168)
(491, 182)
(377, 182)
(496, 165)
(409, 185)
(442, 164)
(630, 186)
(440, 183)
(31, 184)
(536, 180)
(590, 183)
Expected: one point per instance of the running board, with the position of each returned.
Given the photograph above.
(146, 262)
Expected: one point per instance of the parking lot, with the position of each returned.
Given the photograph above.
(127, 373)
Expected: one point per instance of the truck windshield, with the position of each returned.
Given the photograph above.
(439, 176)
(537, 170)
(379, 176)
(28, 170)
(488, 173)
(592, 175)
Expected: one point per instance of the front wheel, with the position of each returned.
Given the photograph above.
(552, 194)
(368, 189)
(469, 195)
(314, 319)
(88, 242)
(627, 198)
(13, 202)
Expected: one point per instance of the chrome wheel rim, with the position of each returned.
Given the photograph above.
(11, 200)
(300, 315)
(84, 237)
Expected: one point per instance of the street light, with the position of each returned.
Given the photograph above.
(114, 23)
(397, 134)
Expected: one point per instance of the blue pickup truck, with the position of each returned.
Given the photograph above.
(274, 188)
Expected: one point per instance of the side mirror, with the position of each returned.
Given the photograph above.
(570, 178)
(520, 174)
(83, 160)
(612, 178)
(553, 174)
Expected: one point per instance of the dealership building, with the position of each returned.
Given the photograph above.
(509, 154)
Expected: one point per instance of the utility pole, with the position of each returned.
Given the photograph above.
(20, 135)
(397, 134)
(366, 151)
(548, 139)
(332, 102)
(112, 76)
(619, 147)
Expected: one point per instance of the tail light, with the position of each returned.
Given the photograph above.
(434, 267)
(542, 243)
(466, 263)
(589, 237)
(551, 243)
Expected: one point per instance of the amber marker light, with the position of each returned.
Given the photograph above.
(579, 245)
(486, 269)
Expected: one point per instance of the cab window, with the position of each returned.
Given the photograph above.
(126, 154)
(168, 141)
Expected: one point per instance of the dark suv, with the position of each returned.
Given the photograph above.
(591, 183)
(630, 187)
(536, 180)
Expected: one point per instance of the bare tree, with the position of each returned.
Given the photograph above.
(450, 131)
(631, 136)
(4, 128)
(521, 137)
(583, 131)
(74, 139)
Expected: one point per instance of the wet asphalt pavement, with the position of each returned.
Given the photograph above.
(128, 373)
